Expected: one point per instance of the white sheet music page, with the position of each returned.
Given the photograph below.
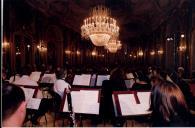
(33, 103)
(129, 106)
(28, 92)
(83, 79)
(101, 78)
(77, 101)
(35, 76)
(90, 101)
(144, 98)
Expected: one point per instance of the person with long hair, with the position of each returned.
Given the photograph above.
(168, 105)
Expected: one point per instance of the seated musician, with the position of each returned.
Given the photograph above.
(60, 84)
(168, 105)
(116, 83)
(13, 106)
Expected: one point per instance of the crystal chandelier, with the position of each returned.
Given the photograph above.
(113, 45)
(99, 26)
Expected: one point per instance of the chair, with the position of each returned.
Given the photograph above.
(56, 103)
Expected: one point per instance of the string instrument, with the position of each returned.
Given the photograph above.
(70, 108)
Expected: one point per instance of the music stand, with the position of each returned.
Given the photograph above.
(131, 104)
(85, 101)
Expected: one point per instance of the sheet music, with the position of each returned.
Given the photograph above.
(93, 79)
(51, 76)
(129, 106)
(129, 83)
(84, 101)
(76, 102)
(35, 76)
(101, 78)
(144, 98)
(33, 103)
(83, 79)
(28, 92)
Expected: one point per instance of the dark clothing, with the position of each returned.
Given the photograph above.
(176, 121)
(107, 108)
(184, 86)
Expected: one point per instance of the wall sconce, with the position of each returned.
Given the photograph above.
(78, 52)
(182, 35)
(5, 45)
(152, 53)
(18, 51)
(169, 39)
(41, 47)
(160, 52)
(140, 53)
(67, 51)
(93, 53)
(182, 48)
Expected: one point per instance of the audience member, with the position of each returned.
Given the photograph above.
(13, 106)
(168, 105)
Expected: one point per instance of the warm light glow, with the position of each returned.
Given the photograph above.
(93, 53)
(182, 48)
(160, 52)
(99, 39)
(41, 47)
(99, 26)
(28, 46)
(67, 51)
(152, 53)
(5, 44)
(78, 52)
(182, 35)
(169, 39)
(113, 45)
(140, 53)
(130, 55)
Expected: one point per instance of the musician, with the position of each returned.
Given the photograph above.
(116, 83)
(60, 84)
(168, 105)
(13, 106)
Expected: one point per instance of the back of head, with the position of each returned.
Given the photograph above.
(12, 98)
(167, 101)
(60, 73)
(117, 74)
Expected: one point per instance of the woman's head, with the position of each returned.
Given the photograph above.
(167, 100)
(117, 74)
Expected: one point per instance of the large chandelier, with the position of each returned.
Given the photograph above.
(113, 45)
(99, 26)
